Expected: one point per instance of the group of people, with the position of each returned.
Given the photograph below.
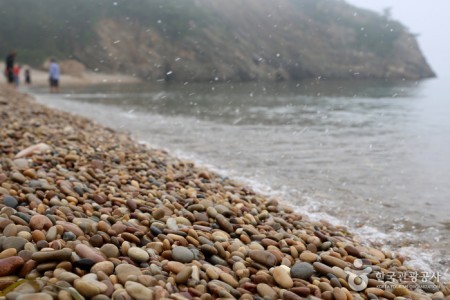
(12, 73)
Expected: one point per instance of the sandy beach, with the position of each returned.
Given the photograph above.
(86, 212)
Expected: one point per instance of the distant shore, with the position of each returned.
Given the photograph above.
(40, 78)
(88, 213)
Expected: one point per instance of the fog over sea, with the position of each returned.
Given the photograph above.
(373, 156)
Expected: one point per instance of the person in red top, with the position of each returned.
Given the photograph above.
(16, 72)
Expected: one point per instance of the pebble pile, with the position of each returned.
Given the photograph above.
(88, 213)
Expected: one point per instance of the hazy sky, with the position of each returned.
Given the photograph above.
(430, 19)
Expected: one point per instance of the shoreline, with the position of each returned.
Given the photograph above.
(106, 215)
(39, 78)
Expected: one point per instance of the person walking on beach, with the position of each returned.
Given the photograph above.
(9, 67)
(27, 77)
(54, 76)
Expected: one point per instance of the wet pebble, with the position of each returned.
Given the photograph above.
(302, 270)
(182, 254)
(10, 201)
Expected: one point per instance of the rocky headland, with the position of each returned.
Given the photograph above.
(88, 213)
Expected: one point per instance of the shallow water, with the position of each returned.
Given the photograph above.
(370, 155)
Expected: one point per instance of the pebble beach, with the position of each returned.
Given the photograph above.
(86, 212)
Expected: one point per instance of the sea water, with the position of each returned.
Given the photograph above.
(373, 156)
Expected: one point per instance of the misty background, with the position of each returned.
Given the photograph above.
(428, 19)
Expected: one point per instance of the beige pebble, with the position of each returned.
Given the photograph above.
(138, 291)
(104, 266)
(89, 288)
(307, 256)
(264, 290)
(282, 277)
(138, 254)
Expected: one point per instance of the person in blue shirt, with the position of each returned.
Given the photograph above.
(54, 76)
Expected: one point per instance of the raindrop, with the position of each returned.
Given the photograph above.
(170, 72)
(116, 42)
(115, 3)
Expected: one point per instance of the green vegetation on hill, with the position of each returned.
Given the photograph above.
(206, 40)
(37, 29)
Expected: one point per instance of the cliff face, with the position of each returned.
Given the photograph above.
(203, 40)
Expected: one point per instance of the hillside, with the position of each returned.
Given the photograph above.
(203, 40)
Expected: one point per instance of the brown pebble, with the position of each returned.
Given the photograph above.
(85, 251)
(301, 291)
(334, 261)
(159, 213)
(264, 290)
(99, 199)
(183, 275)
(39, 222)
(352, 251)
(288, 295)
(9, 265)
(224, 223)
(339, 294)
(263, 257)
